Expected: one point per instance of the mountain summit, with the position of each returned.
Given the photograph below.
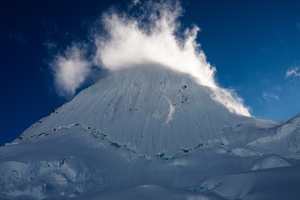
(150, 109)
(148, 132)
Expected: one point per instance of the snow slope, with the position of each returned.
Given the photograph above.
(279, 183)
(149, 133)
(152, 110)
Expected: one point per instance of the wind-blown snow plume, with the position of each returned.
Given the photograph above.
(133, 42)
(153, 35)
(70, 71)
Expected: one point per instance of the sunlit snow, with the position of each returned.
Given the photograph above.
(156, 126)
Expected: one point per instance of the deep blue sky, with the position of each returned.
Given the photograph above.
(251, 43)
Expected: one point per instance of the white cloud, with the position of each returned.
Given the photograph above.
(130, 43)
(230, 100)
(50, 45)
(268, 96)
(135, 2)
(70, 71)
(152, 37)
(292, 72)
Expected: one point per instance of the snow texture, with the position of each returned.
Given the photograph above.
(151, 133)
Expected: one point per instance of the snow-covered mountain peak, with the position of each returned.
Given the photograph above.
(142, 128)
(151, 109)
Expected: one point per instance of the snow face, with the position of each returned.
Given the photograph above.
(152, 133)
(151, 110)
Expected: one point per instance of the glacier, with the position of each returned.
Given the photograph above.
(151, 133)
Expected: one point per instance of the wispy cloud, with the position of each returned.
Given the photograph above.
(70, 70)
(292, 72)
(50, 45)
(278, 88)
(268, 96)
(135, 2)
(17, 36)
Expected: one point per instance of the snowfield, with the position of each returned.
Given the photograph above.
(151, 133)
